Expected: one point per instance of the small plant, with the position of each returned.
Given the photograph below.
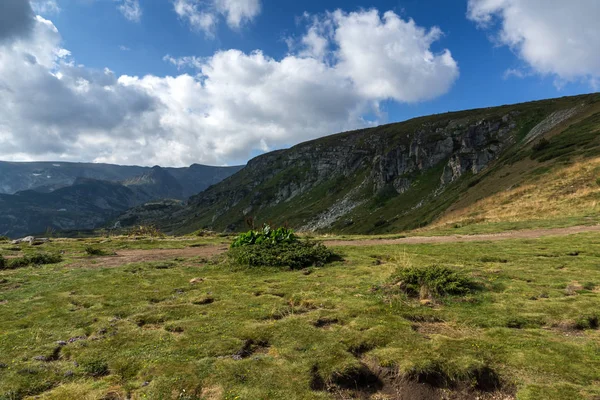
(434, 279)
(2, 262)
(4, 239)
(266, 235)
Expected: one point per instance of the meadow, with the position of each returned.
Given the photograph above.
(173, 318)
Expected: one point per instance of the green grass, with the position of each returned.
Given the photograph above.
(142, 330)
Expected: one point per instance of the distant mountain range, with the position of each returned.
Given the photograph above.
(61, 196)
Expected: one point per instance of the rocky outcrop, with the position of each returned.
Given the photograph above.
(372, 176)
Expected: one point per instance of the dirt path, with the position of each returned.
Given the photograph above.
(132, 256)
(525, 234)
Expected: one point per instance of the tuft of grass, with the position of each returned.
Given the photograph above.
(95, 251)
(96, 368)
(590, 321)
(436, 280)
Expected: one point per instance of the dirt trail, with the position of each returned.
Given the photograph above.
(525, 234)
(131, 256)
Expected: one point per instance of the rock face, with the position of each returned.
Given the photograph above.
(367, 180)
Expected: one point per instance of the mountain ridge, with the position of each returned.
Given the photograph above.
(377, 180)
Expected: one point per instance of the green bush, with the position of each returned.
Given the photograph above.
(295, 255)
(2, 262)
(434, 279)
(4, 239)
(35, 259)
(265, 236)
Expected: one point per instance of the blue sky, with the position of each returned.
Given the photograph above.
(171, 111)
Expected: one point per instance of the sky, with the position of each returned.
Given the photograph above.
(217, 82)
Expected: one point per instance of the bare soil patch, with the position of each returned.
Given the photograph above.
(134, 256)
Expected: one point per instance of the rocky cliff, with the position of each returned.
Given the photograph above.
(382, 179)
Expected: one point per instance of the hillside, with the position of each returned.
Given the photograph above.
(405, 175)
(86, 204)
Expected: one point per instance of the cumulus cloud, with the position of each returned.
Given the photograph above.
(131, 10)
(204, 15)
(218, 109)
(553, 37)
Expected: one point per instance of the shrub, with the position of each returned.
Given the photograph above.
(35, 259)
(541, 145)
(295, 255)
(265, 236)
(146, 230)
(4, 239)
(2, 262)
(434, 279)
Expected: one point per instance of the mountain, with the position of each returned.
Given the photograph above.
(86, 204)
(49, 176)
(72, 196)
(156, 184)
(403, 175)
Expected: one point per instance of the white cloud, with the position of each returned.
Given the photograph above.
(390, 58)
(131, 10)
(203, 15)
(45, 7)
(184, 62)
(554, 37)
(238, 12)
(230, 105)
(124, 48)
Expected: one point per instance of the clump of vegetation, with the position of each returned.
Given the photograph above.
(96, 368)
(146, 230)
(296, 255)
(25, 261)
(587, 322)
(94, 251)
(277, 248)
(432, 280)
(265, 236)
(4, 239)
(541, 145)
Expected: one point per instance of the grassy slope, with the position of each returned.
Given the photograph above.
(557, 185)
(184, 349)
